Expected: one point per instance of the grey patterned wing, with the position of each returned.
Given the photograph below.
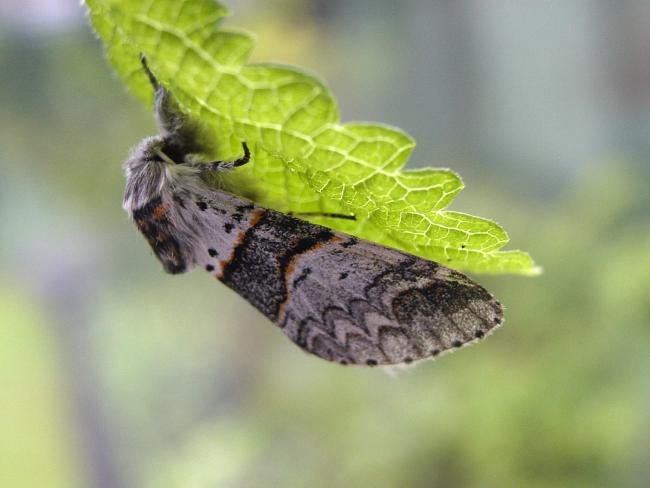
(352, 301)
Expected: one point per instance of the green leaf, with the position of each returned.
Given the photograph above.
(305, 159)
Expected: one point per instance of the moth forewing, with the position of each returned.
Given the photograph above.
(341, 298)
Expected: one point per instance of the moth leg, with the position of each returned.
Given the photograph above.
(227, 165)
(323, 214)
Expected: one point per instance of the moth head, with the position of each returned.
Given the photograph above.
(146, 172)
(150, 151)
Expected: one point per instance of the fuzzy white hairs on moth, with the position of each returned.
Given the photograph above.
(341, 298)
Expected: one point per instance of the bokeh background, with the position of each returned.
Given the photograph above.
(113, 374)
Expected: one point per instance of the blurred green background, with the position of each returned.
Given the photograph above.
(113, 374)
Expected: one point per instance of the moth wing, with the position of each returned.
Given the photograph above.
(353, 301)
(356, 302)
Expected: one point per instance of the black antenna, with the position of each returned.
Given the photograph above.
(150, 75)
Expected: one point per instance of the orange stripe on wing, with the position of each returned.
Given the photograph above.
(291, 269)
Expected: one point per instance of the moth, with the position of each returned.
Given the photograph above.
(341, 298)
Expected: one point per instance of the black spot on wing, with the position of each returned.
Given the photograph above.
(245, 208)
(350, 242)
(302, 277)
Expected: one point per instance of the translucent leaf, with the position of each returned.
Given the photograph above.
(305, 160)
